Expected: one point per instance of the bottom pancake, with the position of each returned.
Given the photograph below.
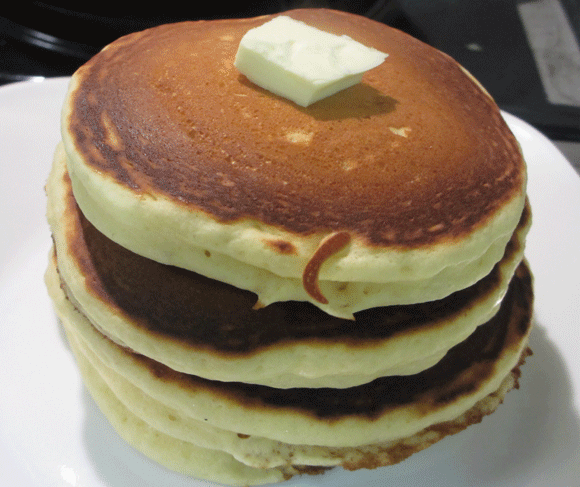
(187, 457)
(211, 430)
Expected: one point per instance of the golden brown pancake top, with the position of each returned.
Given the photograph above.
(415, 153)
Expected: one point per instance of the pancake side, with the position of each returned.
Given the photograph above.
(261, 453)
(383, 410)
(181, 456)
(207, 328)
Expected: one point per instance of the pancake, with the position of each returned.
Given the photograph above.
(402, 189)
(188, 458)
(321, 426)
(207, 328)
(178, 455)
(259, 453)
(254, 289)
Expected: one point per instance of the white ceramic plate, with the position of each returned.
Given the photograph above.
(52, 434)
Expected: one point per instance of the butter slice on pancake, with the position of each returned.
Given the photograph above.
(255, 289)
(177, 157)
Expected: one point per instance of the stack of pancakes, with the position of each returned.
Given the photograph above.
(254, 289)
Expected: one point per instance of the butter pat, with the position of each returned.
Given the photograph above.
(302, 63)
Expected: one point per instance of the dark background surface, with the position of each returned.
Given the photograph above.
(486, 36)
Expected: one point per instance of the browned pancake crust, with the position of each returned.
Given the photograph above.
(431, 389)
(463, 370)
(398, 452)
(206, 314)
(164, 111)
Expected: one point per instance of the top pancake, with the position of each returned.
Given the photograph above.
(171, 149)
